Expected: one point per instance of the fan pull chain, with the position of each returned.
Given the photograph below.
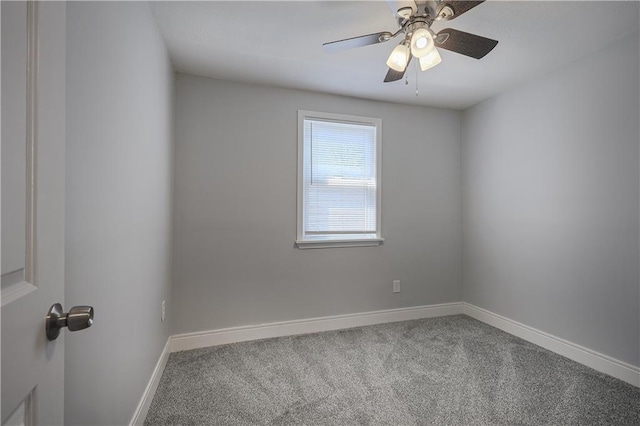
(416, 63)
(406, 77)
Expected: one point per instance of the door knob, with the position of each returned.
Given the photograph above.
(78, 318)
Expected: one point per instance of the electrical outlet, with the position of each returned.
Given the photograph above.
(163, 312)
(396, 286)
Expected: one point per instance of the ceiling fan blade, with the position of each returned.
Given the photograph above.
(393, 75)
(458, 8)
(350, 43)
(467, 44)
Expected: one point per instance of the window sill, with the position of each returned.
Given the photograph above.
(315, 244)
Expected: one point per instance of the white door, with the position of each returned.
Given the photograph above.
(33, 153)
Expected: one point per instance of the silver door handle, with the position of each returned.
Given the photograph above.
(78, 318)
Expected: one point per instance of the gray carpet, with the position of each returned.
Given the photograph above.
(441, 371)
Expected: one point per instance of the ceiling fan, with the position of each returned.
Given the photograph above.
(419, 40)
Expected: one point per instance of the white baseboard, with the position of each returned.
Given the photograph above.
(203, 339)
(182, 342)
(145, 402)
(600, 362)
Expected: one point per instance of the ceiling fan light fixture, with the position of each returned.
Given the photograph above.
(405, 12)
(399, 57)
(430, 60)
(446, 13)
(421, 42)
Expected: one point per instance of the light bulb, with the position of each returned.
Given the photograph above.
(421, 42)
(430, 60)
(399, 57)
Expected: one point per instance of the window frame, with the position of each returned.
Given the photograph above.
(302, 243)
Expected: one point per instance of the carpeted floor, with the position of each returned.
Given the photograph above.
(441, 371)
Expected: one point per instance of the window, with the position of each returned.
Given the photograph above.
(338, 180)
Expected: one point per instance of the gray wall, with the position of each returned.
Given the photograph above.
(551, 203)
(235, 210)
(118, 229)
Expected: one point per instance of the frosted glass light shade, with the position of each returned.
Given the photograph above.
(421, 43)
(399, 57)
(431, 60)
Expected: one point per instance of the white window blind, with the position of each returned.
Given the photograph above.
(339, 179)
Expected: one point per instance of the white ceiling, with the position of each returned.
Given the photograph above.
(280, 43)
